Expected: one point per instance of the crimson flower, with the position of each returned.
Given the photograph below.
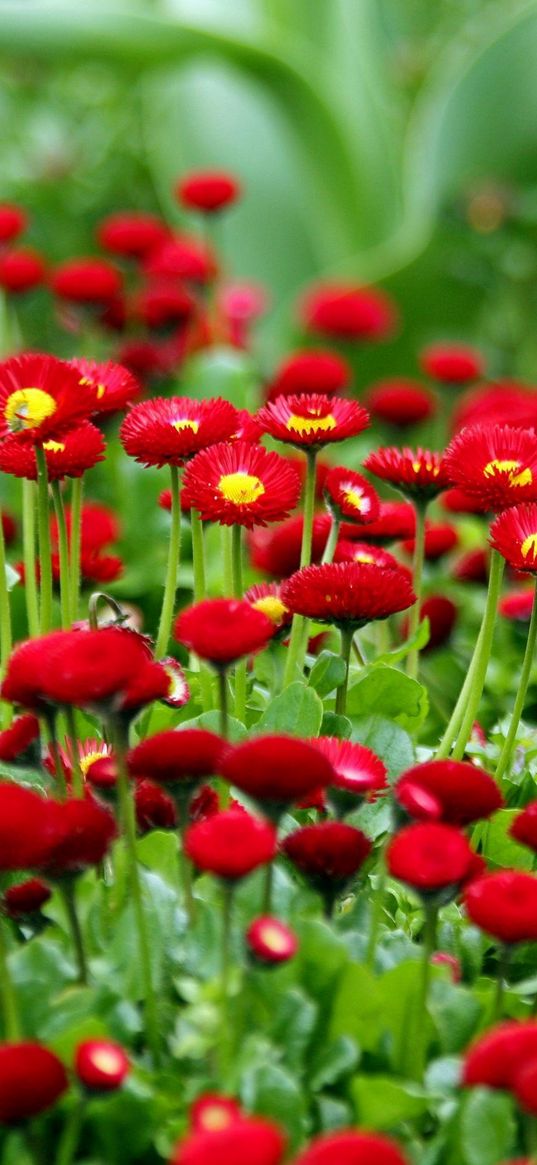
(231, 844)
(207, 191)
(211, 1111)
(241, 483)
(223, 630)
(115, 386)
(100, 1065)
(99, 526)
(131, 233)
(400, 402)
(26, 827)
(348, 312)
(276, 770)
(495, 464)
(25, 898)
(277, 551)
(396, 520)
(71, 454)
(507, 402)
(472, 567)
(430, 857)
(366, 553)
(514, 534)
(314, 370)
(352, 1148)
(13, 221)
(349, 495)
(168, 431)
(440, 539)
(178, 758)
(452, 363)
(82, 832)
(40, 397)
(517, 606)
(348, 594)
(416, 473)
(494, 1059)
(442, 615)
(270, 942)
(86, 281)
(154, 808)
(357, 772)
(241, 1142)
(524, 826)
(312, 420)
(456, 501)
(21, 270)
(163, 306)
(329, 855)
(32, 1079)
(456, 792)
(27, 667)
(17, 740)
(182, 257)
(504, 905)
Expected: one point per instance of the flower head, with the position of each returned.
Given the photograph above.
(131, 233)
(40, 397)
(452, 363)
(82, 833)
(32, 1079)
(21, 270)
(348, 312)
(266, 597)
(524, 826)
(101, 1066)
(357, 772)
(86, 281)
(461, 792)
(163, 306)
(348, 594)
(70, 454)
(517, 606)
(396, 520)
(241, 1142)
(494, 1059)
(240, 483)
(26, 827)
(349, 495)
(212, 1111)
(270, 942)
(329, 855)
(400, 402)
(223, 630)
(440, 539)
(276, 770)
(168, 431)
(430, 857)
(25, 898)
(414, 472)
(367, 553)
(178, 757)
(352, 1147)
(17, 740)
(115, 386)
(181, 257)
(495, 464)
(13, 221)
(277, 551)
(504, 905)
(231, 844)
(207, 191)
(310, 421)
(514, 534)
(314, 370)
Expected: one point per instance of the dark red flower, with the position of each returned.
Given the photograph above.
(396, 520)
(270, 941)
(349, 495)
(456, 501)
(495, 464)
(100, 1065)
(13, 221)
(154, 808)
(266, 597)
(347, 593)
(429, 857)
(276, 770)
(277, 552)
(241, 483)
(32, 1079)
(352, 1148)
(524, 826)
(495, 1058)
(517, 606)
(168, 431)
(207, 191)
(414, 472)
(183, 258)
(212, 1112)
(357, 772)
(82, 832)
(525, 1086)
(27, 667)
(86, 281)
(462, 792)
(114, 385)
(163, 306)
(314, 370)
(144, 358)
(21, 270)
(223, 630)
(9, 527)
(99, 526)
(26, 898)
(40, 397)
(472, 567)
(366, 553)
(440, 539)
(131, 233)
(348, 312)
(231, 844)
(442, 614)
(514, 534)
(310, 421)
(26, 827)
(504, 905)
(328, 854)
(400, 402)
(18, 738)
(70, 455)
(452, 363)
(178, 757)
(506, 402)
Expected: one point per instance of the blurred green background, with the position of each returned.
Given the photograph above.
(390, 141)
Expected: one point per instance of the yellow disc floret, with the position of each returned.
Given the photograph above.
(309, 425)
(272, 607)
(516, 474)
(354, 498)
(529, 546)
(185, 423)
(27, 408)
(241, 488)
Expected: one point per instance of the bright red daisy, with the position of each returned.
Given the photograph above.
(352, 1147)
(276, 770)
(32, 1079)
(69, 455)
(21, 270)
(86, 281)
(314, 370)
(277, 551)
(328, 854)
(241, 484)
(348, 312)
(440, 539)
(517, 606)
(504, 905)
(182, 257)
(358, 772)
(364, 552)
(266, 597)
(231, 844)
(514, 534)
(524, 826)
(495, 464)
(114, 385)
(13, 221)
(430, 856)
(396, 520)
(414, 472)
(452, 363)
(456, 792)
(207, 191)
(494, 1059)
(270, 942)
(41, 397)
(400, 402)
(168, 431)
(163, 306)
(348, 594)
(131, 233)
(349, 495)
(223, 630)
(310, 421)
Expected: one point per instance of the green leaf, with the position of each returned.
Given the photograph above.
(356, 1008)
(456, 1013)
(269, 1090)
(334, 725)
(388, 692)
(327, 673)
(498, 847)
(487, 1127)
(417, 641)
(211, 721)
(297, 711)
(334, 1060)
(321, 957)
(390, 742)
(380, 1102)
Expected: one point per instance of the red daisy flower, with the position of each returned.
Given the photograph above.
(86, 281)
(182, 257)
(349, 495)
(231, 844)
(223, 630)
(270, 942)
(414, 472)
(505, 403)
(21, 270)
(400, 402)
(494, 1059)
(495, 464)
(26, 898)
(207, 191)
(115, 387)
(13, 221)
(328, 854)
(310, 421)
(440, 539)
(266, 597)
(456, 792)
(178, 758)
(524, 826)
(241, 484)
(24, 681)
(68, 455)
(277, 551)
(347, 593)
(472, 567)
(99, 526)
(514, 534)
(396, 520)
(131, 233)
(348, 312)
(276, 770)
(163, 306)
(248, 427)
(504, 905)
(456, 501)
(442, 614)
(352, 1148)
(17, 740)
(517, 606)
(32, 1079)
(178, 691)
(452, 363)
(154, 808)
(83, 831)
(26, 827)
(168, 431)
(212, 1111)
(40, 397)
(365, 553)
(314, 370)
(100, 1065)
(358, 772)
(430, 856)
(240, 1142)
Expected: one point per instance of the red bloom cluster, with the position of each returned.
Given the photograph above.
(347, 593)
(168, 431)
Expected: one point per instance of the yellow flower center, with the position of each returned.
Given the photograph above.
(27, 408)
(272, 607)
(215, 1118)
(107, 1061)
(363, 556)
(276, 941)
(308, 425)
(85, 382)
(529, 546)
(511, 468)
(53, 446)
(353, 497)
(185, 423)
(428, 465)
(90, 759)
(241, 488)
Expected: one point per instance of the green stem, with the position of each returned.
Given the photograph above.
(504, 959)
(70, 1137)
(78, 779)
(128, 820)
(77, 493)
(268, 888)
(43, 522)
(198, 556)
(6, 636)
(28, 544)
(51, 721)
(168, 601)
(63, 546)
(497, 564)
(377, 905)
(238, 589)
(10, 1013)
(428, 948)
(298, 640)
(347, 636)
(417, 577)
(185, 867)
(332, 541)
(508, 744)
(227, 560)
(222, 691)
(67, 890)
(225, 949)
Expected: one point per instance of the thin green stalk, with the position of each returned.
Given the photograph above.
(347, 636)
(268, 888)
(332, 541)
(28, 545)
(185, 866)
(508, 744)
(377, 905)
(67, 890)
(412, 664)
(77, 493)
(227, 560)
(228, 890)
(43, 523)
(8, 998)
(63, 546)
(6, 636)
(174, 550)
(238, 588)
(128, 820)
(502, 972)
(70, 1137)
(428, 949)
(78, 779)
(51, 724)
(198, 556)
(298, 640)
(222, 691)
(497, 564)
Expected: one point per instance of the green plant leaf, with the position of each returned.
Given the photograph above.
(487, 1127)
(390, 742)
(297, 711)
(388, 692)
(327, 673)
(380, 1102)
